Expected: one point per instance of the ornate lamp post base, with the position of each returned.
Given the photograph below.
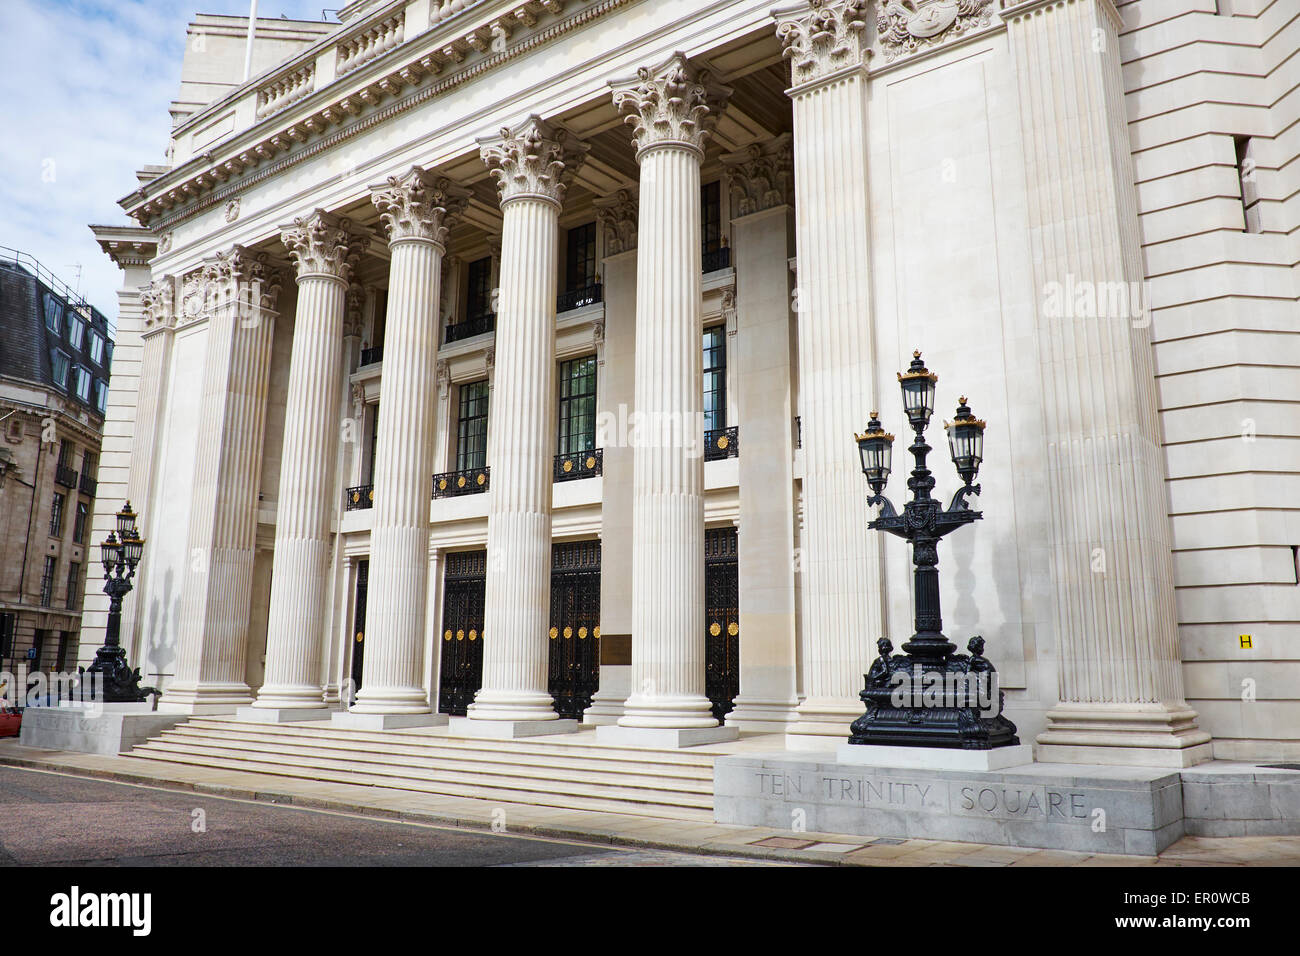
(117, 682)
(914, 702)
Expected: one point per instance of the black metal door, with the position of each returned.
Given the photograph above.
(462, 631)
(721, 620)
(359, 624)
(575, 626)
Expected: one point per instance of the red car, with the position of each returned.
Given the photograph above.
(10, 721)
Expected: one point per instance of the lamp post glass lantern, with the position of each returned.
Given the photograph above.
(120, 553)
(929, 695)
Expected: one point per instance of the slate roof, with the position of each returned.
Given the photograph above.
(28, 345)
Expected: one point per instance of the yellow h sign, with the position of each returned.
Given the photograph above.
(1245, 641)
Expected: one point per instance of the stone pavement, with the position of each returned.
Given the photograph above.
(623, 829)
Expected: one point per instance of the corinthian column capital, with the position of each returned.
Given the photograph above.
(158, 300)
(822, 36)
(533, 161)
(323, 244)
(676, 104)
(760, 177)
(418, 205)
(238, 273)
(617, 215)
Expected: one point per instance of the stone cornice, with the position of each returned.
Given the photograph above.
(419, 63)
(533, 161)
(418, 205)
(674, 104)
(126, 245)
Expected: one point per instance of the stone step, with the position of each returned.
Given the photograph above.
(486, 788)
(700, 757)
(587, 771)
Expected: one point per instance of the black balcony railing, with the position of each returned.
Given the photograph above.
(715, 259)
(721, 443)
(89, 486)
(65, 476)
(578, 298)
(470, 327)
(580, 464)
(372, 356)
(450, 484)
(359, 498)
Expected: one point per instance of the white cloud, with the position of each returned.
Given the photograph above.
(85, 88)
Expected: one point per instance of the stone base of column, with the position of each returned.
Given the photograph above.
(763, 715)
(664, 738)
(281, 715)
(358, 720)
(409, 701)
(662, 712)
(205, 698)
(510, 729)
(1124, 735)
(823, 723)
(607, 704)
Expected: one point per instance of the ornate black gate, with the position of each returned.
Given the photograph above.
(721, 620)
(575, 626)
(462, 631)
(359, 623)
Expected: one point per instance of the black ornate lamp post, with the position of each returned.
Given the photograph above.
(120, 553)
(928, 696)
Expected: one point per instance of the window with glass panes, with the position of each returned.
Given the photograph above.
(74, 578)
(56, 515)
(479, 286)
(381, 319)
(471, 428)
(374, 441)
(580, 258)
(79, 524)
(578, 405)
(47, 581)
(715, 377)
(61, 662)
(711, 216)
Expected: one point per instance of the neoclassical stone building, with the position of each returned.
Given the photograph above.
(503, 359)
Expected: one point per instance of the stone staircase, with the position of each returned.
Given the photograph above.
(571, 772)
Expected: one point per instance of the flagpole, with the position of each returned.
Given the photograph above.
(248, 52)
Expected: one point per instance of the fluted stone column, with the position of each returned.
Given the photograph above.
(240, 298)
(531, 164)
(325, 252)
(415, 210)
(672, 109)
(1120, 673)
(843, 583)
(158, 303)
(761, 184)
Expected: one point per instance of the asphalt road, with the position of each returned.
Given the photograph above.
(49, 819)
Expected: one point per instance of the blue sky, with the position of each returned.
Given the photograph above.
(84, 90)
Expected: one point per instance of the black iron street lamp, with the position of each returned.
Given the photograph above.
(928, 696)
(120, 553)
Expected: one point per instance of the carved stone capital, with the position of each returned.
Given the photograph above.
(323, 244)
(418, 205)
(618, 216)
(675, 104)
(158, 300)
(825, 36)
(533, 161)
(760, 177)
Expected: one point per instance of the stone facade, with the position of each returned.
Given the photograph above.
(1031, 192)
